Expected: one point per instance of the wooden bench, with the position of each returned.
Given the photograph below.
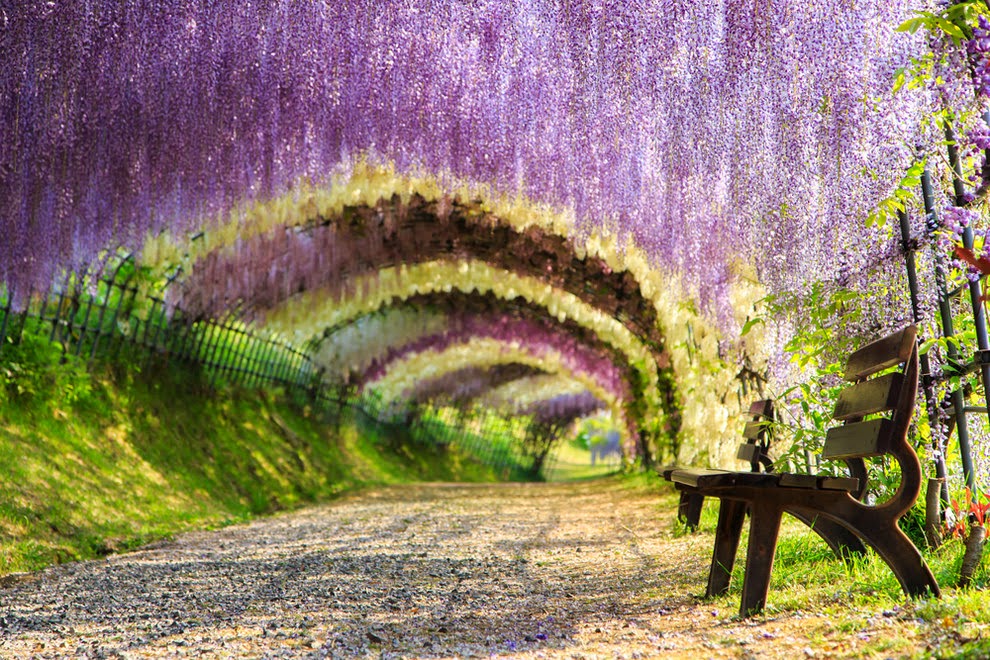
(834, 506)
(755, 450)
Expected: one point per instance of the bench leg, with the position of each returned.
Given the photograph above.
(897, 550)
(764, 526)
(731, 514)
(689, 508)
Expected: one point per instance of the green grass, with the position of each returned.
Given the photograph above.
(572, 462)
(808, 578)
(132, 457)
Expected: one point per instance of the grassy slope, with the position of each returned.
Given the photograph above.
(141, 456)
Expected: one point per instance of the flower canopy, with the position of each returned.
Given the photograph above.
(660, 163)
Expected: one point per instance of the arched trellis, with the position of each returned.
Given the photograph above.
(441, 306)
(474, 307)
(536, 338)
(391, 286)
(343, 255)
(481, 351)
(268, 268)
(433, 312)
(475, 302)
(399, 382)
(550, 418)
(470, 387)
(463, 386)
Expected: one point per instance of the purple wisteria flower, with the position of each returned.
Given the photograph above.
(541, 339)
(956, 218)
(709, 133)
(978, 49)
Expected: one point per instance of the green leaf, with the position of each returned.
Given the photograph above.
(749, 325)
(951, 29)
(957, 12)
(912, 25)
(899, 79)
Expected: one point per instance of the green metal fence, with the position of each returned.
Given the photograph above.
(109, 310)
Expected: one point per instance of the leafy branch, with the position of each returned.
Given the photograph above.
(956, 21)
(888, 207)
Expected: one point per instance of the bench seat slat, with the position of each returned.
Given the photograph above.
(840, 483)
(858, 440)
(695, 476)
(868, 397)
(707, 478)
(789, 480)
(757, 479)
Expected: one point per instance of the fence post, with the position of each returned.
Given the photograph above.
(159, 324)
(110, 283)
(212, 334)
(927, 381)
(270, 365)
(975, 290)
(948, 331)
(6, 318)
(90, 300)
(58, 311)
(128, 294)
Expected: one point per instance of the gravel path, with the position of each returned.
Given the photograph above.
(428, 571)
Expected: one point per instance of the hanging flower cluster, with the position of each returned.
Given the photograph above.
(978, 49)
(956, 220)
(350, 349)
(539, 340)
(462, 387)
(562, 409)
(705, 132)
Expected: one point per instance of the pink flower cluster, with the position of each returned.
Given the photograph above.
(563, 409)
(541, 339)
(462, 386)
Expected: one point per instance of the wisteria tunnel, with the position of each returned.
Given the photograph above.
(528, 315)
(625, 209)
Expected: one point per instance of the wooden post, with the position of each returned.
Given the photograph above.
(933, 513)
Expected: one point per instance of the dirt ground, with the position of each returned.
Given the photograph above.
(578, 570)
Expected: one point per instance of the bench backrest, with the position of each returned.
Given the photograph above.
(758, 433)
(863, 434)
